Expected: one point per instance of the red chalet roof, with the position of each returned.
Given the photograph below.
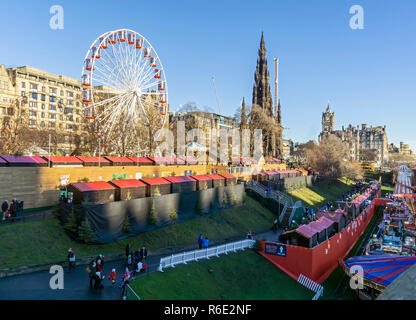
(140, 159)
(155, 181)
(270, 172)
(63, 159)
(163, 160)
(201, 177)
(215, 176)
(22, 159)
(118, 159)
(92, 159)
(227, 175)
(93, 186)
(128, 183)
(334, 215)
(179, 179)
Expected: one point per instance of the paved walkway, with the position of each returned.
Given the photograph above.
(35, 286)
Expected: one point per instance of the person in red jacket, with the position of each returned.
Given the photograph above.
(112, 276)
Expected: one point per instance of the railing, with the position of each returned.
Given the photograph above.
(311, 285)
(195, 255)
(279, 196)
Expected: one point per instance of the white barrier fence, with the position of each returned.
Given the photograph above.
(311, 285)
(195, 255)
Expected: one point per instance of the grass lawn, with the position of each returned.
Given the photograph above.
(244, 275)
(319, 194)
(386, 189)
(45, 241)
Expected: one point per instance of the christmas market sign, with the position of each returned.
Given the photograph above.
(275, 249)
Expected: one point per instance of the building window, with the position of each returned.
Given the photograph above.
(34, 86)
(51, 116)
(61, 117)
(32, 122)
(22, 94)
(43, 89)
(42, 114)
(61, 93)
(34, 96)
(43, 106)
(23, 85)
(32, 113)
(70, 94)
(52, 99)
(42, 97)
(42, 124)
(52, 107)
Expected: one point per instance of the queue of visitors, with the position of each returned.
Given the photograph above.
(12, 211)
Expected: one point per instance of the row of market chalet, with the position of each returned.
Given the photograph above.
(83, 161)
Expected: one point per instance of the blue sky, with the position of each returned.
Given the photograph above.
(368, 75)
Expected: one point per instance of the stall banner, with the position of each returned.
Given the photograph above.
(276, 249)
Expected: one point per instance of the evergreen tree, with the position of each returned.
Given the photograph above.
(224, 199)
(126, 224)
(86, 232)
(152, 218)
(173, 215)
(234, 199)
(72, 222)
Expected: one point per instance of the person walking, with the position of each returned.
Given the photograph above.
(127, 250)
(143, 253)
(205, 242)
(200, 240)
(92, 273)
(98, 286)
(124, 283)
(4, 207)
(112, 276)
(275, 225)
(71, 259)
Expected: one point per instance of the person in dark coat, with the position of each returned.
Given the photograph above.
(200, 240)
(127, 250)
(71, 259)
(143, 253)
(4, 207)
(98, 286)
(93, 268)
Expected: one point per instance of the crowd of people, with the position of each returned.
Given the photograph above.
(12, 211)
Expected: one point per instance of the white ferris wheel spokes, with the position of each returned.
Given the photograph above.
(124, 83)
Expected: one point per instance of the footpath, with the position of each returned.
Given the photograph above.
(32, 282)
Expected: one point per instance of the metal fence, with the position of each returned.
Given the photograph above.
(311, 285)
(195, 255)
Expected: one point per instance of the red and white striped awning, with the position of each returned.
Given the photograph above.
(403, 182)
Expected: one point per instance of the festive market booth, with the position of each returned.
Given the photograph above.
(303, 173)
(154, 184)
(272, 161)
(129, 189)
(92, 192)
(141, 161)
(339, 217)
(202, 181)
(24, 161)
(182, 184)
(188, 160)
(235, 161)
(311, 234)
(93, 161)
(230, 179)
(271, 175)
(162, 161)
(217, 180)
(261, 176)
(63, 161)
(249, 161)
(120, 161)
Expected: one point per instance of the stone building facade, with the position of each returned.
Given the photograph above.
(43, 101)
(357, 139)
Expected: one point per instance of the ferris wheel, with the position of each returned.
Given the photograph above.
(124, 83)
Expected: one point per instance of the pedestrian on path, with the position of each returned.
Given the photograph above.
(275, 225)
(112, 276)
(200, 240)
(71, 259)
(143, 253)
(205, 242)
(127, 250)
(93, 270)
(98, 286)
(4, 207)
